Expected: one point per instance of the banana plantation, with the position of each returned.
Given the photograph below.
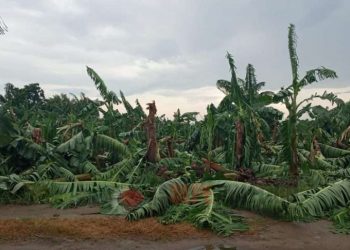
(71, 151)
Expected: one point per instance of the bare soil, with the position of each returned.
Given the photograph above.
(42, 227)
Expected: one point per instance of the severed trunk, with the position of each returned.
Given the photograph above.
(274, 131)
(315, 150)
(37, 135)
(152, 154)
(170, 146)
(239, 143)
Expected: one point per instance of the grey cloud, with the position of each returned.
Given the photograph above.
(140, 46)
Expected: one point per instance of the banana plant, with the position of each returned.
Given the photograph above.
(184, 194)
(109, 100)
(242, 101)
(334, 122)
(288, 97)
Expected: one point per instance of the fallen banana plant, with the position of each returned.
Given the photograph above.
(178, 200)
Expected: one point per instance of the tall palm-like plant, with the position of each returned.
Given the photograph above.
(109, 100)
(289, 97)
(108, 96)
(243, 100)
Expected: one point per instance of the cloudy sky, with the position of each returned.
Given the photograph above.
(169, 51)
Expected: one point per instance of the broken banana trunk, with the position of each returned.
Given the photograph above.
(149, 125)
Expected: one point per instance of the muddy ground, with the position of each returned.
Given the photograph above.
(42, 227)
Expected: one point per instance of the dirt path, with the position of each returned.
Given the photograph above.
(42, 227)
(45, 211)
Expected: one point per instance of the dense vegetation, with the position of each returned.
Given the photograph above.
(70, 151)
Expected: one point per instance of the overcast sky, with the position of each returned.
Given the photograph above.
(169, 51)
